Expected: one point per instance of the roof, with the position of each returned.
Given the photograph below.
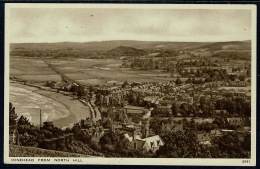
(167, 101)
(234, 119)
(172, 127)
(163, 107)
(134, 111)
(215, 133)
(154, 141)
(247, 128)
(130, 138)
(203, 136)
(219, 111)
(225, 130)
(118, 126)
(150, 142)
(201, 120)
(151, 98)
(134, 107)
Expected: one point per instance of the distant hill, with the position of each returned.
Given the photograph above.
(86, 46)
(126, 45)
(106, 45)
(232, 45)
(235, 55)
(125, 51)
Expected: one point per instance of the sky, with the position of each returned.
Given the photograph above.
(89, 24)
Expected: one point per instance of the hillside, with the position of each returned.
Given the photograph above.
(105, 45)
(119, 48)
(234, 45)
(86, 46)
(125, 51)
(108, 45)
(21, 151)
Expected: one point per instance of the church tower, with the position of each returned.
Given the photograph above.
(145, 128)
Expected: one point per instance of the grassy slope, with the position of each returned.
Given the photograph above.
(20, 151)
(233, 45)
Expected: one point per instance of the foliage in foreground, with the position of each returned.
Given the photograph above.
(21, 151)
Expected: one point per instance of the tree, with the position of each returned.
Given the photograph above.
(125, 84)
(133, 99)
(202, 100)
(246, 144)
(230, 144)
(178, 145)
(241, 77)
(12, 115)
(219, 104)
(175, 109)
(184, 107)
(27, 140)
(248, 73)
(48, 126)
(188, 81)
(178, 81)
(80, 91)
(155, 125)
(23, 121)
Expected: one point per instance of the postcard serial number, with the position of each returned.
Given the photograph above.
(245, 161)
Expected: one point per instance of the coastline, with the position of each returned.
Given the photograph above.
(77, 110)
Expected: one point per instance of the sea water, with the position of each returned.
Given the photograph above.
(28, 103)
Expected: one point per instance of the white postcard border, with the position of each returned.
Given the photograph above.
(131, 161)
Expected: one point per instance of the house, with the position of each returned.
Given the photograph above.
(162, 111)
(133, 137)
(134, 109)
(167, 103)
(215, 133)
(238, 83)
(151, 99)
(117, 127)
(95, 131)
(204, 138)
(171, 126)
(247, 128)
(132, 130)
(235, 121)
(220, 111)
(203, 120)
(152, 143)
(241, 133)
(226, 131)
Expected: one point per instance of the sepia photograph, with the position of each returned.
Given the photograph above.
(143, 84)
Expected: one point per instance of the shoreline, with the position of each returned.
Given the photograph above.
(76, 109)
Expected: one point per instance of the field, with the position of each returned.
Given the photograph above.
(32, 70)
(109, 71)
(86, 71)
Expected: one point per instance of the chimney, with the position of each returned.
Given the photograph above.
(134, 133)
(145, 128)
(40, 118)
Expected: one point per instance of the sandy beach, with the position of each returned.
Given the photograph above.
(67, 109)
